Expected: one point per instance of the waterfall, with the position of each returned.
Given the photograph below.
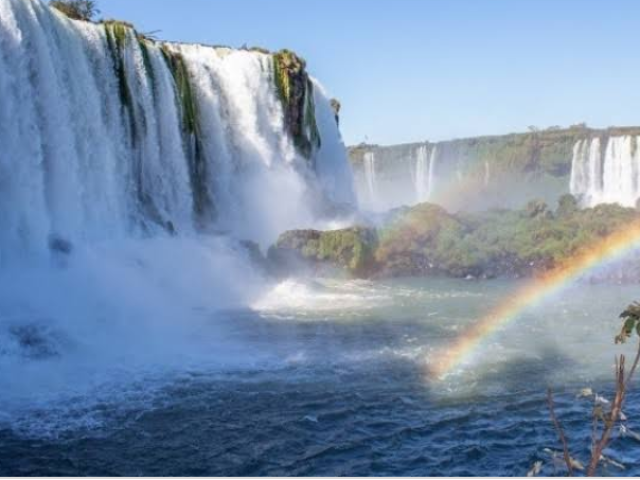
(422, 169)
(107, 135)
(487, 173)
(425, 164)
(606, 171)
(370, 177)
(131, 173)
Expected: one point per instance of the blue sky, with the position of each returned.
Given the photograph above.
(409, 70)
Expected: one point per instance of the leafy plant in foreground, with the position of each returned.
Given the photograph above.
(606, 415)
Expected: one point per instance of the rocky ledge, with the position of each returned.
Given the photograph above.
(427, 240)
(351, 250)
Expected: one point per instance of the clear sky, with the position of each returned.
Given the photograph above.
(409, 70)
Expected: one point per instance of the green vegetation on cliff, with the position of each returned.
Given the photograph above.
(188, 107)
(543, 151)
(184, 91)
(76, 9)
(295, 91)
(351, 249)
(117, 35)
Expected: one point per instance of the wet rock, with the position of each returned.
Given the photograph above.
(351, 250)
(295, 90)
(35, 341)
(256, 257)
(58, 244)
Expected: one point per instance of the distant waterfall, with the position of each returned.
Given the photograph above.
(105, 134)
(370, 176)
(606, 171)
(425, 163)
(487, 173)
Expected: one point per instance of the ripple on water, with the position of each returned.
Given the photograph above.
(335, 392)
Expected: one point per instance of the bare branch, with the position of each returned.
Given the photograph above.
(610, 420)
(633, 368)
(558, 427)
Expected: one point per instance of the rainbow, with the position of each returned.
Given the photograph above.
(610, 248)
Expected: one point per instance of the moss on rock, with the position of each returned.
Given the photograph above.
(184, 91)
(295, 91)
(117, 34)
(350, 249)
(188, 107)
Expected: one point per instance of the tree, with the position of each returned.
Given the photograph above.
(604, 421)
(536, 208)
(84, 10)
(567, 205)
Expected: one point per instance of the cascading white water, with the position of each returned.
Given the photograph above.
(123, 160)
(333, 168)
(422, 167)
(80, 162)
(369, 162)
(425, 164)
(606, 173)
(386, 181)
(487, 173)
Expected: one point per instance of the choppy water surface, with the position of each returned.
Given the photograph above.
(327, 378)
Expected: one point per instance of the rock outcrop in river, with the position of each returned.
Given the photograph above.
(427, 240)
(350, 249)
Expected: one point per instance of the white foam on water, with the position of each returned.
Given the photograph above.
(110, 272)
(320, 295)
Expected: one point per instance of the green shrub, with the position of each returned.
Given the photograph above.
(426, 239)
(567, 205)
(351, 249)
(84, 10)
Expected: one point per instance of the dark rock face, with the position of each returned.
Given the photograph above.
(60, 245)
(35, 341)
(336, 106)
(256, 257)
(295, 90)
(350, 250)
